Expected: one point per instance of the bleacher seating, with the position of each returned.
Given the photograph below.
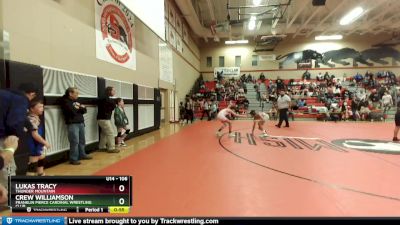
(210, 85)
(304, 112)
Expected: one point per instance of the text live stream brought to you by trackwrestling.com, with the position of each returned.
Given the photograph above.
(104, 220)
(193, 220)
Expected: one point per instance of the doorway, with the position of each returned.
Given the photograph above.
(164, 105)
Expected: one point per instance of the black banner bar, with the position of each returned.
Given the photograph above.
(227, 221)
(104, 209)
(45, 210)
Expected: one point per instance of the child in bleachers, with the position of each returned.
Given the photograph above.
(301, 103)
(335, 113)
(364, 110)
(37, 144)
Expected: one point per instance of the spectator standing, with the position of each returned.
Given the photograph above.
(13, 117)
(189, 106)
(106, 107)
(387, 102)
(182, 113)
(13, 109)
(206, 109)
(381, 91)
(257, 89)
(73, 113)
(355, 108)
(392, 78)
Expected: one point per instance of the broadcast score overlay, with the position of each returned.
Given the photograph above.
(75, 194)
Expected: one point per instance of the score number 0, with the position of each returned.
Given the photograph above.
(121, 188)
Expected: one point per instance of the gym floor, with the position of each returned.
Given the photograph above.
(309, 169)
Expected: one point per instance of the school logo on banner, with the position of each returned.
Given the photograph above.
(227, 71)
(115, 42)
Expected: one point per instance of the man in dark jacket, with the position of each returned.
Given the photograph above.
(13, 117)
(106, 107)
(13, 109)
(73, 114)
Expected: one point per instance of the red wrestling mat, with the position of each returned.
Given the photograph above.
(194, 173)
(296, 172)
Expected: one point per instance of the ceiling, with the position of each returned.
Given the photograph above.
(294, 18)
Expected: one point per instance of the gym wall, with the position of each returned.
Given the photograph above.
(142, 106)
(272, 68)
(2, 64)
(57, 38)
(61, 34)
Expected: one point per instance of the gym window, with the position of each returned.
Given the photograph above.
(221, 61)
(209, 61)
(254, 60)
(238, 60)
